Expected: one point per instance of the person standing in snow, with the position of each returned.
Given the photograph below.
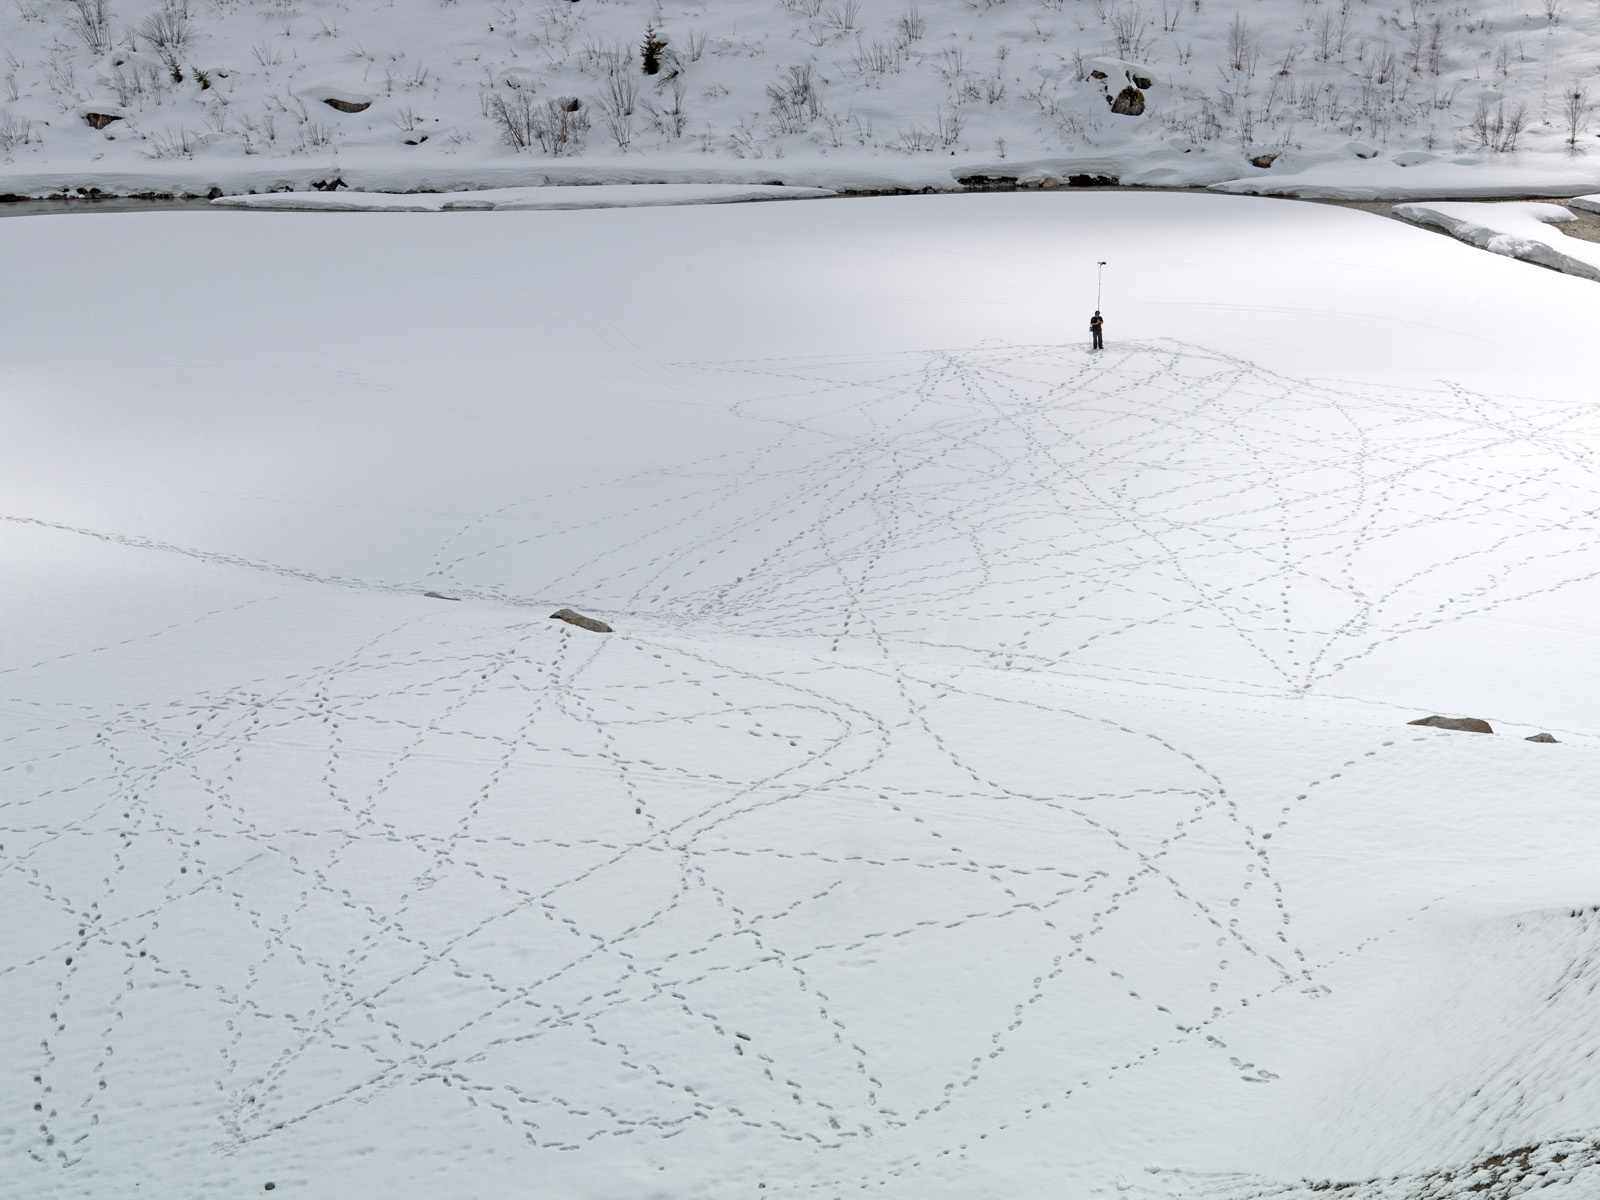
(1095, 322)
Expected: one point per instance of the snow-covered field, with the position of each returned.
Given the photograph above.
(998, 782)
(1297, 96)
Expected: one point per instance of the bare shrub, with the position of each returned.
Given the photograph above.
(90, 20)
(948, 124)
(1243, 50)
(1071, 127)
(914, 139)
(255, 133)
(1046, 96)
(314, 134)
(170, 143)
(794, 99)
(1323, 36)
(606, 58)
(1435, 47)
(668, 119)
(14, 131)
(61, 77)
(742, 141)
(841, 131)
(877, 57)
(513, 117)
(616, 99)
(951, 63)
(559, 124)
(1128, 29)
(1497, 128)
(169, 32)
(128, 88)
(841, 17)
(911, 25)
(1575, 111)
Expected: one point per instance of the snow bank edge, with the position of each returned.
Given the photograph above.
(1497, 241)
(210, 180)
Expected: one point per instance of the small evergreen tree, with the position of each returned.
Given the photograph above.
(650, 52)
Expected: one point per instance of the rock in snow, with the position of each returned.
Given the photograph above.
(1465, 724)
(1540, 737)
(572, 617)
(1129, 102)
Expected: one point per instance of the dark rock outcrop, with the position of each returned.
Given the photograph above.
(1539, 737)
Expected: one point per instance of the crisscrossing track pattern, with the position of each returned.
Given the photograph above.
(874, 825)
(1035, 507)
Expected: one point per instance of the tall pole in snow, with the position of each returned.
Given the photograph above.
(1100, 274)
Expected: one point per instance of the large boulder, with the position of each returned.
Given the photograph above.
(1123, 83)
(1464, 724)
(1129, 102)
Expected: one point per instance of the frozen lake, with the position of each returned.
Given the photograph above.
(998, 781)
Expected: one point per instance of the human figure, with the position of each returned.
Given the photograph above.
(1095, 322)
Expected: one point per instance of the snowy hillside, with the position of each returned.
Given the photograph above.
(998, 781)
(246, 95)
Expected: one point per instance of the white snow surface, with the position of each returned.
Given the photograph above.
(1516, 229)
(614, 196)
(1421, 174)
(173, 96)
(998, 782)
